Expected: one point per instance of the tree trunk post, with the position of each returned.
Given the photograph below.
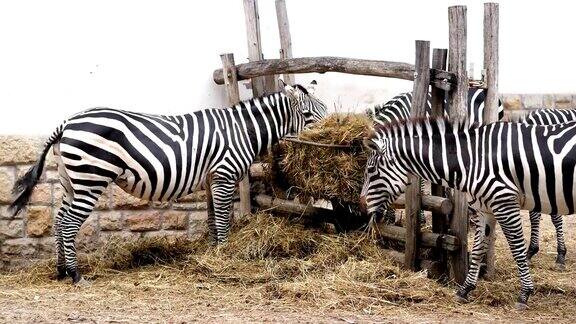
(458, 113)
(413, 192)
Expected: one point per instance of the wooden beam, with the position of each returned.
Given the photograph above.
(291, 207)
(491, 26)
(434, 204)
(430, 240)
(285, 38)
(413, 193)
(397, 233)
(458, 112)
(233, 96)
(254, 42)
(321, 64)
(439, 220)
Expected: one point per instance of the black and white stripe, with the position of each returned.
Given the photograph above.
(548, 117)
(504, 167)
(399, 107)
(163, 158)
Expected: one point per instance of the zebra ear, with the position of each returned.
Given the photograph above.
(289, 91)
(312, 87)
(281, 84)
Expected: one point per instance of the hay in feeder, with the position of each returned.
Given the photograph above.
(330, 173)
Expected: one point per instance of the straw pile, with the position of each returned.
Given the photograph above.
(275, 262)
(328, 173)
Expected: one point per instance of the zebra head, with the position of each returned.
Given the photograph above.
(306, 107)
(384, 178)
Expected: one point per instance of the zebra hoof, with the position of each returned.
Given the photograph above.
(520, 306)
(61, 274)
(560, 267)
(460, 299)
(82, 283)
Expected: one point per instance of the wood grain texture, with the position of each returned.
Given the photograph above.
(428, 240)
(413, 192)
(439, 220)
(252, 20)
(285, 37)
(233, 95)
(321, 64)
(458, 260)
(491, 41)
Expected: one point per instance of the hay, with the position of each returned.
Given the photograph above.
(328, 173)
(274, 262)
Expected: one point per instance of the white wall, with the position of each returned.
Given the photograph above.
(59, 57)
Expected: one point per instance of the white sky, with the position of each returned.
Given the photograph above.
(59, 57)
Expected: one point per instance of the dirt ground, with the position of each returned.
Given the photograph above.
(174, 293)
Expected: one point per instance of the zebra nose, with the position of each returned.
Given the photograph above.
(363, 205)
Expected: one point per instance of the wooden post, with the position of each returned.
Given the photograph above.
(439, 220)
(458, 112)
(413, 193)
(491, 107)
(254, 42)
(231, 82)
(285, 39)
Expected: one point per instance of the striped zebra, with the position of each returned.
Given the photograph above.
(399, 107)
(163, 158)
(504, 167)
(548, 117)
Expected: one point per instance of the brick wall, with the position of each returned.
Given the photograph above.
(518, 104)
(29, 235)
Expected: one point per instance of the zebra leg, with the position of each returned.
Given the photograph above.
(223, 193)
(213, 236)
(60, 258)
(64, 206)
(511, 225)
(80, 208)
(421, 217)
(534, 245)
(478, 252)
(561, 246)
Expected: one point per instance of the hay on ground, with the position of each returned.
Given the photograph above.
(271, 261)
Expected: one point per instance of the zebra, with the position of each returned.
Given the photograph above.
(163, 158)
(399, 107)
(504, 167)
(548, 117)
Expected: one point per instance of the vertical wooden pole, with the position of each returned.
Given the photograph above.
(254, 42)
(413, 193)
(233, 94)
(439, 220)
(285, 38)
(491, 106)
(458, 112)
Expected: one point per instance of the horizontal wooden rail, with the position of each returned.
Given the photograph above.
(397, 233)
(321, 64)
(430, 203)
(427, 239)
(439, 78)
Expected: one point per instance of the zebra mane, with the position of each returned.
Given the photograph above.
(437, 124)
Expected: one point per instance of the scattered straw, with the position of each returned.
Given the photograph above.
(272, 263)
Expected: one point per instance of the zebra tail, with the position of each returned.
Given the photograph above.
(25, 184)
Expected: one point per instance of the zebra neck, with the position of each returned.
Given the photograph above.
(435, 155)
(264, 121)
